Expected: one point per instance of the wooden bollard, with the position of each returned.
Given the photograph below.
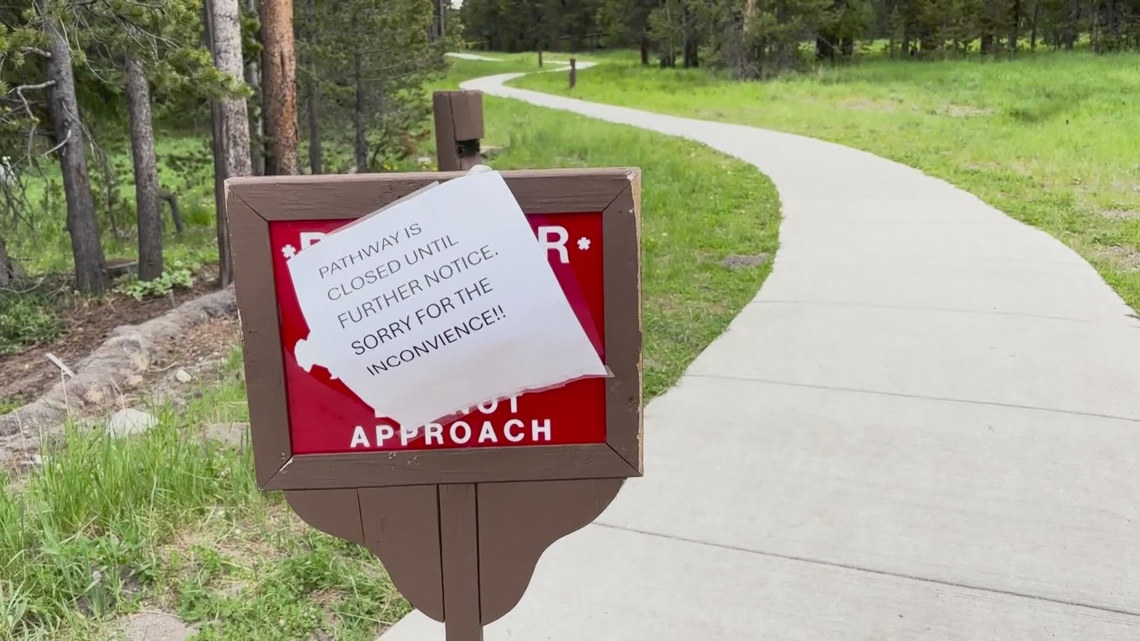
(458, 129)
(573, 72)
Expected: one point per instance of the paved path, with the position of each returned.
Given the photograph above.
(925, 426)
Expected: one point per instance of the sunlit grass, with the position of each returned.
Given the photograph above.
(1049, 138)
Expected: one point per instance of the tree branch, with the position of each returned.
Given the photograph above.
(22, 88)
(37, 51)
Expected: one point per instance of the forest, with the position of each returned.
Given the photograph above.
(96, 92)
(119, 119)
(760, 38)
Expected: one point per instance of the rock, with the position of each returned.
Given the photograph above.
(132, 381)
(182, 376)
(129, 421)
(93, 396)
(156, 626)
(737, 261)
(232, 434)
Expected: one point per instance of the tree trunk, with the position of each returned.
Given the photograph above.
(312, 94)
(1033, 26)
(217, 138)
(359, 115)
(644, 51)
(146, 171)
(90, 264)
(987, 43)
(825, 46)
(257, 124)
(6, 271)
(439, 28)
(233, 112)
(316, 160)
(689, 57)
(279, 86)
(1014, 26)
(847, 47)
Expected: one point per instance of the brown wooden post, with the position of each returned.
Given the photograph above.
(459, 551)
(573, 72)
(458, 128)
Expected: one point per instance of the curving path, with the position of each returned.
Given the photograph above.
(926, 425)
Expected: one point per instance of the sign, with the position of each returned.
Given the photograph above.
(443, 302)
(325, 416)
(310, 430)
(459, 509)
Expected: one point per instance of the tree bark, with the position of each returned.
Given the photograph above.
(90, 263)
(359, 114)
(146, 171)
(232, 126)
(279, 85)
(439, 28)
(217, 138)
(313, 94)
(1014, 26)
(987, 43)
(235, 113)
(316, 152)
(257, 124)
(1033, 26)
(825, 46)
(6, 271)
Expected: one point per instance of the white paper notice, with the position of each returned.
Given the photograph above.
(439, 302)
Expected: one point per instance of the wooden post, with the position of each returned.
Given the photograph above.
(573, 72)
(458, 128)
(459, 551)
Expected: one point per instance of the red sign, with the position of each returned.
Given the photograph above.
(326, 417)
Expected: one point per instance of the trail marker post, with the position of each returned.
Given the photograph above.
(458, 129)
(461, 513)
(573, 72)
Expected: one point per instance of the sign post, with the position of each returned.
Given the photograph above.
(459, 510)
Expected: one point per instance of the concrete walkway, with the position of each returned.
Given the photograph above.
(925, 426)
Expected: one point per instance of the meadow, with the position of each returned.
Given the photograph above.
(168, 521)
(1049, 138)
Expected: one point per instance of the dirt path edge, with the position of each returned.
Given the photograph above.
(103, 375)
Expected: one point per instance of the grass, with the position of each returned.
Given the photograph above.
(698, 209)
(169, 520)
(166, 521)
(185, 168)
(1049, 138)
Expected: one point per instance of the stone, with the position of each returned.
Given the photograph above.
(94, 395)
(129, 421)
(231, 434)
(156, 626)
(737, 261)
(182, 376)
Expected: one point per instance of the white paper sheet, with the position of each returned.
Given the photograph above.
(437, 303)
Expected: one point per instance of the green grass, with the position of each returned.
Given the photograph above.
(698, 208)
(185, 169)
(165, 521)
(1050, 138)
(169, 520)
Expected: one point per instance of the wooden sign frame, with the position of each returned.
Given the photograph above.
(252, 203)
